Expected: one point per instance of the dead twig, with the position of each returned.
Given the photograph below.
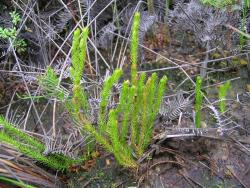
(236, 177)
(167, 161)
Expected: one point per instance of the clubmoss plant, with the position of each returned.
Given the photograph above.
(152, 96)
(223, 91)
(11, 131)
(126, 129)
(198, 102)
(138, 104)
(15, 182)
(79, 47)
(109, 133)
(105, 95)
(31, 147)
(135, 125)
(134, 46)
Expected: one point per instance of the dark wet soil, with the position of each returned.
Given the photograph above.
(199, 162)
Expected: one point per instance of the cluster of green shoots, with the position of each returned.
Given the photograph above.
(223, 91)
(127, 129)
(11, 33)
(31, 146)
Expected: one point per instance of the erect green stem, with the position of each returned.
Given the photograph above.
(79, 48)
(198, 102)
(151, 7)
(134, 47)
(223, 90)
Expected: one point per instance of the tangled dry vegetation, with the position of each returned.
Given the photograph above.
(108, 93)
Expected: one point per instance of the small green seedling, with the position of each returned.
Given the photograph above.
(198, 102)
(223, 91)
(11, 33)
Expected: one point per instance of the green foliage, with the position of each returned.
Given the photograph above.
(167, 6)
(150, 4)
(151, 100)
(137, 110)
(50, 84)
(134, 46)
(15, 18)
(245, 6)
(223, 91)
(15, 182)
(111, 135)
(11, 33)
(124, 108)
(8, 33)
(136, 116)
(125, 130)
(198, 102)
(105, 94)
(79, 47)
(24, 138)
(20, 45)
(133, 118)
(31, 147)
(247, 3)
(121, 151)
(219, 3)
